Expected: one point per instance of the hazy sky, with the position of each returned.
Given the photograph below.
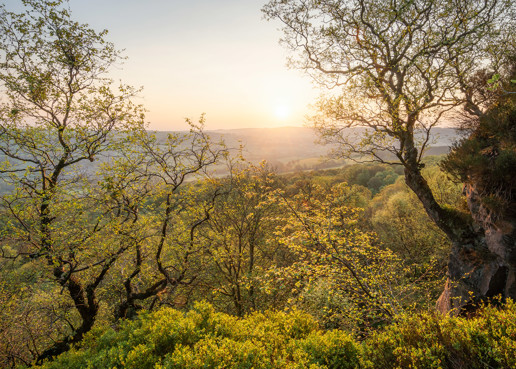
(217, 57)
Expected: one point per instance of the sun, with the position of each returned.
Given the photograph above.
(282, 112)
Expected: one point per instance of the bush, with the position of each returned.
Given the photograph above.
(432, 341)
(203, 338)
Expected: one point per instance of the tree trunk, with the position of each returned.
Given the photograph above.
(482, 261)
(86, 304)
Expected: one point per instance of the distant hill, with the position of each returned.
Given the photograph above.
(274, 144)
(288, 147)
(285, 148)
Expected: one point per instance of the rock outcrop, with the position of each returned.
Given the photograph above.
(484, 268)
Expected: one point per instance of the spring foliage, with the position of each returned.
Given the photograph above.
(203, 338)
(87, 246)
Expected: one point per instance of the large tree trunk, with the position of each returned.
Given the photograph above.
(483, 267)
(482, 261)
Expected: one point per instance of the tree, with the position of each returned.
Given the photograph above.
(74, 232)
(158, 214)
(400, 221)
(341, 273)
(400, 67)
(58, 112)
(242, 242)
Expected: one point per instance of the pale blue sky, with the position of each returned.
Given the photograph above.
(217, 57)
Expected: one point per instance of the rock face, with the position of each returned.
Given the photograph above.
(482, 267)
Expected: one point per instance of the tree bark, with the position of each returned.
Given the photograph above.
(482, 261)
(86, 304)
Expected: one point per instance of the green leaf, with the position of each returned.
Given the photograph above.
(494, 79)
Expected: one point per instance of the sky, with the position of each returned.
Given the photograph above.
(218, 57)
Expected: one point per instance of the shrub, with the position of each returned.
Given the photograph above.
(203, 338)
(432, 341)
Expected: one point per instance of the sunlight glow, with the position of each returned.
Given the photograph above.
(282, 112)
